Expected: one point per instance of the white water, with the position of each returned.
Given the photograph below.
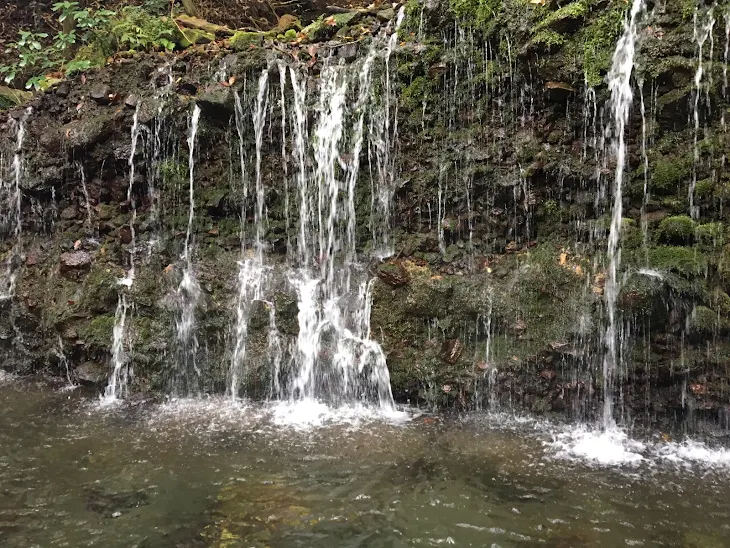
(703, 26)
(334, 358)
(188, 292)
(251, 265)
(117, 385)
(10, 211)
(619, 83)
(116, 389)
(87, 200)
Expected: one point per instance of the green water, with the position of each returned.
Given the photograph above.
(213, 474)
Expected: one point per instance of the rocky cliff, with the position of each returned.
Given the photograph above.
(479, 208)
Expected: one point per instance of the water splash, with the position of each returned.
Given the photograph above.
(116, 389)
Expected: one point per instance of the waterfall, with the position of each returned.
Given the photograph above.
(11, 221)
(188, 292)
(251, 265)
(702, 31)
(116, 387)
(619, 83)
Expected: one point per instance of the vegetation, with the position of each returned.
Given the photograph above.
(86, 38)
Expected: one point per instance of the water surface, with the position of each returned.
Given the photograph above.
(213, 473)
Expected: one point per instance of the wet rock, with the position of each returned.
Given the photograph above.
(91, 373)
(386, 14)
(451, 350)
(75, 260)
(217, 102)
(100, 94)
(112, 504)
(69, 213)
(125, 235)
(394, 274)
(348, 52)
(131, 101)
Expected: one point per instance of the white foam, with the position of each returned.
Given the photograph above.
(605, 447)
(692, 452)
(5, 377)
(309, 413)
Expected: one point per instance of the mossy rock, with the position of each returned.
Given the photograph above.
(191, 37)
(244, 40)
(98, 332)
(683, 260)
(678, 229)
(325, 28)
(10, 98)
(703, 321)
(668, 174)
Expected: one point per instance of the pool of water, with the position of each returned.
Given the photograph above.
(219, 474)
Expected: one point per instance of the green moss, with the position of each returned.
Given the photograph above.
(548, 39)
(703, 320)
(574, 10)
(98, 332)
(600, 40)
(682, 260)
(676, 229)
(413, 96)
(704, 188)
(711, 233)
(244, 40)
(667, 174)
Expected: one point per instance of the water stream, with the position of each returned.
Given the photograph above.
(619, 83)
(11, 221)
(188, 292)
(219, 473)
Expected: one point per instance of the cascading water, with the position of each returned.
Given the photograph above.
(11, 213)
(619, 83)
(117, 385)
(703, 27)
(251, 266)
(188, 292)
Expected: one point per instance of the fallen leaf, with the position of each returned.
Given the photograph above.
(563, 258)
(169, 268)
(77, 244)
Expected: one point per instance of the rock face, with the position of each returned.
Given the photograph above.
(496, 211)
(75, 260)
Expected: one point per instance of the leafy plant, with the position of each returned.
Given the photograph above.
(137, 30)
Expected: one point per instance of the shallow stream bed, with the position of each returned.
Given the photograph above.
(221, 474)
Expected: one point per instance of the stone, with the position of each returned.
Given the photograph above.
(91, 373)
(75, 260)
(217, 102)
(394, 274)
(69, 213)
(386, 14)
(63, 90)
(100, 94)
(125, 235)
(451, 350)
(13, 97)
(131, 101)
(191, 37)
(348, 52)
(244, 40)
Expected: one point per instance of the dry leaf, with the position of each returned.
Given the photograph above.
(77, 244)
